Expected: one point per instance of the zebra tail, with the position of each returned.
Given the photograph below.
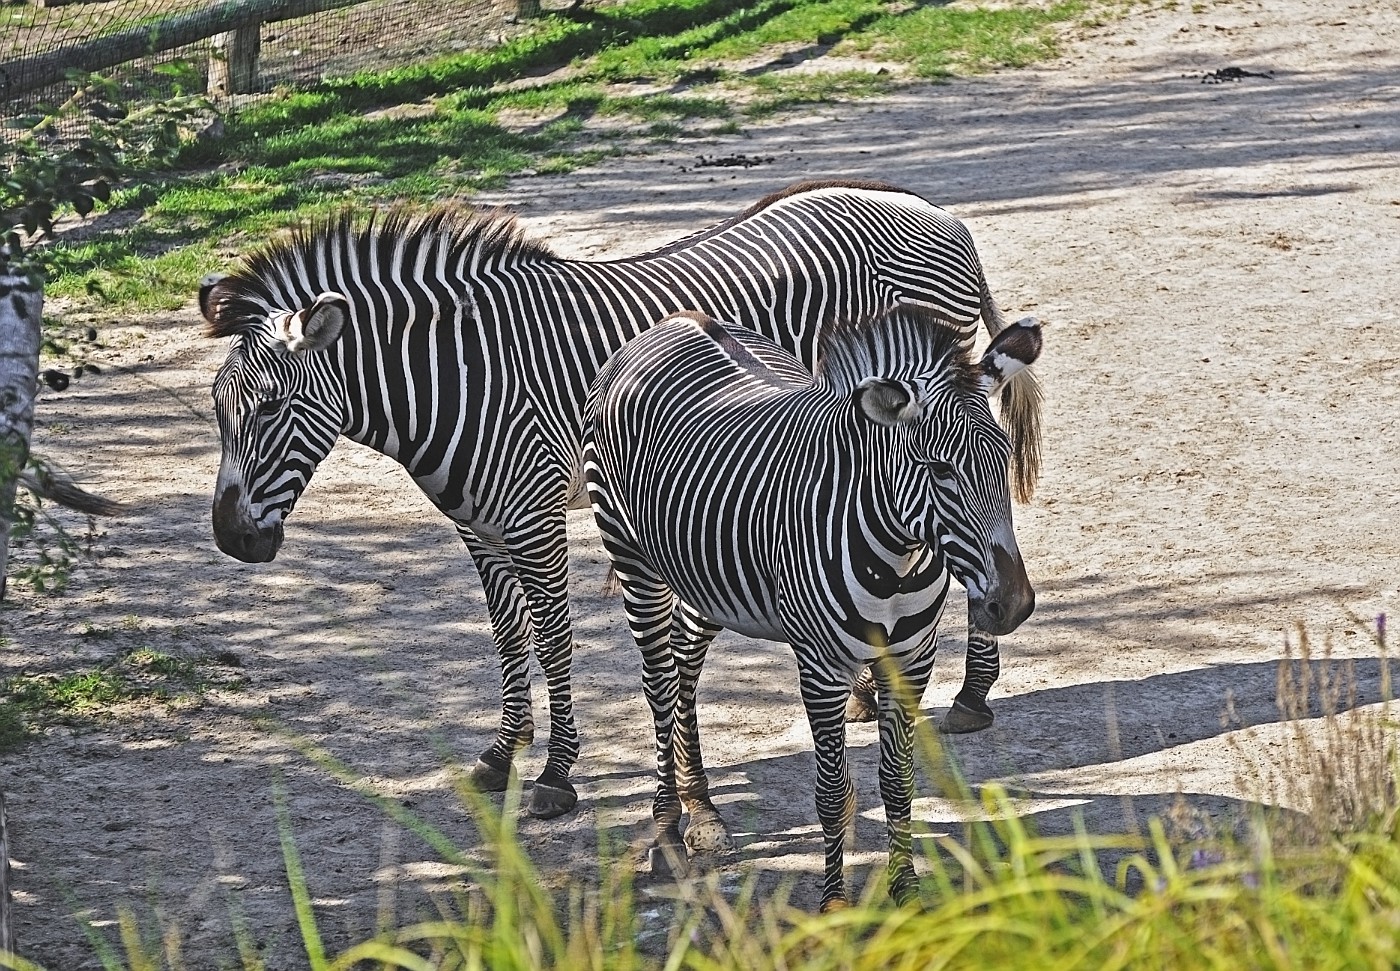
(1021, 401)
(611, 585)
(62, 490)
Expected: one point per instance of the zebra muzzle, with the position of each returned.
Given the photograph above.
(1010, 601)
(238, 535)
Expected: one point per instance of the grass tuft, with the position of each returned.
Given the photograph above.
(1335, 762)
(141, 676)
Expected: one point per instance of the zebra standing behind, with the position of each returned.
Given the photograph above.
(464, 351)
(736, 491)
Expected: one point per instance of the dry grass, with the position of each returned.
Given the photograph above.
(1332, 756)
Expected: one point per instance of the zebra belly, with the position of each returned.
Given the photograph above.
(739, 620)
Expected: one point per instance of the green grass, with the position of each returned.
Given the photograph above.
(938, 42)
(299, 154)
(775, 94)
(78, 696)
(13, 730)
(1000, 897)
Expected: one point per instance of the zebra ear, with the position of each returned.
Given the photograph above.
(1011, 351)
(886, 402)
(317, 327)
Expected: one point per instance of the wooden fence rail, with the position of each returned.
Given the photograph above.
(27, 74)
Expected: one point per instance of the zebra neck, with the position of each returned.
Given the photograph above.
(372, 389)
(884, 493)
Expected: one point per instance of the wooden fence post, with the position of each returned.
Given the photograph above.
(233, 66)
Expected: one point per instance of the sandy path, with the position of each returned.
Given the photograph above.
(1217, 265)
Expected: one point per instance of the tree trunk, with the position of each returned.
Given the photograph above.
(21, 306)
(7, 934)
(21, 303)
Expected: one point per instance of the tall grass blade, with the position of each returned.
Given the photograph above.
(296, 882)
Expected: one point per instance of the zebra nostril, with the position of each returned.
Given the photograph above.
(994, 608)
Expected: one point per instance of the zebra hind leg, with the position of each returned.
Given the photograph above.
(649, 605)
(510, 628)
(705, 832)
(970, 711)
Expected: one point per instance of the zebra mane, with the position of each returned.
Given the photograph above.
(903, 342)
(796, 189)
(296, 263)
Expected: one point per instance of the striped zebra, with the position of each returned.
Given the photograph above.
(464, 350)
(736, 491)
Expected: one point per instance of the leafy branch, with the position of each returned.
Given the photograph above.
(49, 174)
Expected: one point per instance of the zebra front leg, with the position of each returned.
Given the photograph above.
(539, 549)
(691, 636)
(899, 704)
(970, 711)
(825, 703)
(510, 628)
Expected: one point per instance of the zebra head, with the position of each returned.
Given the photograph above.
(279, 406)
(952, 490)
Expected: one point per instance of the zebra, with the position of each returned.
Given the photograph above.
(455, 344)
(734, 490)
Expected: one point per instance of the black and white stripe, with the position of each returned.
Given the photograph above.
(733, 492)
(465, 351)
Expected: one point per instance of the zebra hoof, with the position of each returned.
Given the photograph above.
(547, 802)
(962, 720)
(488, 778)
(667, 861)
(861, 707)
(905, 892)
(858, 709)
(835, 905)
(708, 834)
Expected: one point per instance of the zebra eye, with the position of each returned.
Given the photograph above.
(942, 470)
(269, 406)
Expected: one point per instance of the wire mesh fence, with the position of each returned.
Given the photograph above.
(292, 53)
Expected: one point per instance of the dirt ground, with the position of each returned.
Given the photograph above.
(1217, 264)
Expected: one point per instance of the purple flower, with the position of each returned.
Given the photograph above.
(1201, 859)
